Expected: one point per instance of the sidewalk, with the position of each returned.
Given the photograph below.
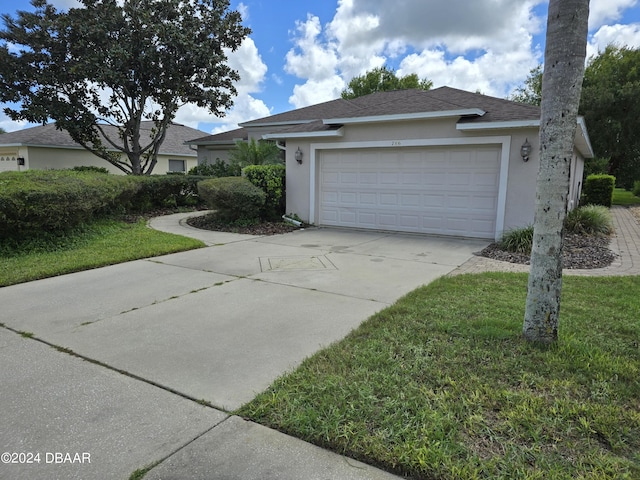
(625, 244)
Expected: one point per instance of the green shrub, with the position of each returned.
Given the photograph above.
(518, 240)
(164, 191)
(636, 188)
(217, 169)
(598, 190)
(37, 201)
(233, 198)
(596, 166)
(590, 220)
(271, 179)
(89, 168)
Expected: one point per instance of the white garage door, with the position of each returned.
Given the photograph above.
(436, 190)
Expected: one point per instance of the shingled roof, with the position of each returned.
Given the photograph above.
(49, 136)
(473, 108)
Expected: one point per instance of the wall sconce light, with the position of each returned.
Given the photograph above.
(298, 156)
(20, 161)
(525, 150)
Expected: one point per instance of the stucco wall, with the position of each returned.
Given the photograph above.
(521, 179)
(39, 158)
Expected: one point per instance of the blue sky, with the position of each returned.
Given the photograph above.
(305, 52)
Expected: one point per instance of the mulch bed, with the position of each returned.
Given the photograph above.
(209, 222)
(579, 252)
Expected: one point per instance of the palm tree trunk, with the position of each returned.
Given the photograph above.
(561, 86)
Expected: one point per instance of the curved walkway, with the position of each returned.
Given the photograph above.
(625, 244)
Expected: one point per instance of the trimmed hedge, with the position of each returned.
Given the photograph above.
(37, 201)
(233, 198)
(271, 179)
(636, 188)
(164, 191)
(598, 190)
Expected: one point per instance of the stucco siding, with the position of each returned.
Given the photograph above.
(40, 158)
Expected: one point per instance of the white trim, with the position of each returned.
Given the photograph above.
(320, 134)
(584, 134)
(503, 141)
(249, 124)
(498, 125)
(405, 116)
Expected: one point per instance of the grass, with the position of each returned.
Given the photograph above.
(625, 198)
(441, 386)
(104, 242)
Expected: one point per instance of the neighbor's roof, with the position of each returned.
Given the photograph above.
(225, 138)
(49, 136)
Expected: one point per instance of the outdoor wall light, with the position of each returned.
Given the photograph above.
(299, 156)
(20, 161)
(525, 150)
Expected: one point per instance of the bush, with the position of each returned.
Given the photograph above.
(598, 190)
(85, 168)
(518, 240)
(233, 198)
(596, 166)
(218, 169)
(40, 201)
(164, 191)
(636, 188)
(271, 179)
(590, 220)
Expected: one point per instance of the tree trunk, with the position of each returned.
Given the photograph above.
(561, 86)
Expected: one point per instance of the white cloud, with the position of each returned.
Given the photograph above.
(317, 91)
(9, 125)
(489, 48)
(311, 59)
(619, 35)
(601, 11)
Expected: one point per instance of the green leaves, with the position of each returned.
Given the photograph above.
(119, 63)
(382, 80)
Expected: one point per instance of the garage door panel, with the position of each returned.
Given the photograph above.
(443, 190)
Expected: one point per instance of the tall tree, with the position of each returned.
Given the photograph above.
(119, 63)
(531, 91)
(611, 107)
(565, 53)
(381, 80)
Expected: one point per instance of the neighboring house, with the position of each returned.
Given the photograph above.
(46, 147)
(442, 161)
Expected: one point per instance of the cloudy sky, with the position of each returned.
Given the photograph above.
(305, 52)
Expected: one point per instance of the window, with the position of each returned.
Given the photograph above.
(176, 165)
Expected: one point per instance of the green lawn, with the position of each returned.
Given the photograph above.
(441, 386)
(624, 197)
(105, 242)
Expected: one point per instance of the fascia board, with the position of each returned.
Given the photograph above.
(323, 134)
(405, 116)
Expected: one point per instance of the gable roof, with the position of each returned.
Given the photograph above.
(49, 136)
(443, 100)
(472, 111)
(327, 117)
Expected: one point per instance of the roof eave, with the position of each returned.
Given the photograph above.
(398, 117)
(251, 123)
(322, 134)
(499, 125)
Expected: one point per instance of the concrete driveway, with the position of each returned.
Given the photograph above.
(217, 324)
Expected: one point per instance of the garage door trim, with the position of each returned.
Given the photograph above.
(503, 141)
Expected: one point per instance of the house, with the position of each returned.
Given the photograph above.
(442, 161)
(45, 147)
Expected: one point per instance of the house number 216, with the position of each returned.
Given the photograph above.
(396, 143)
